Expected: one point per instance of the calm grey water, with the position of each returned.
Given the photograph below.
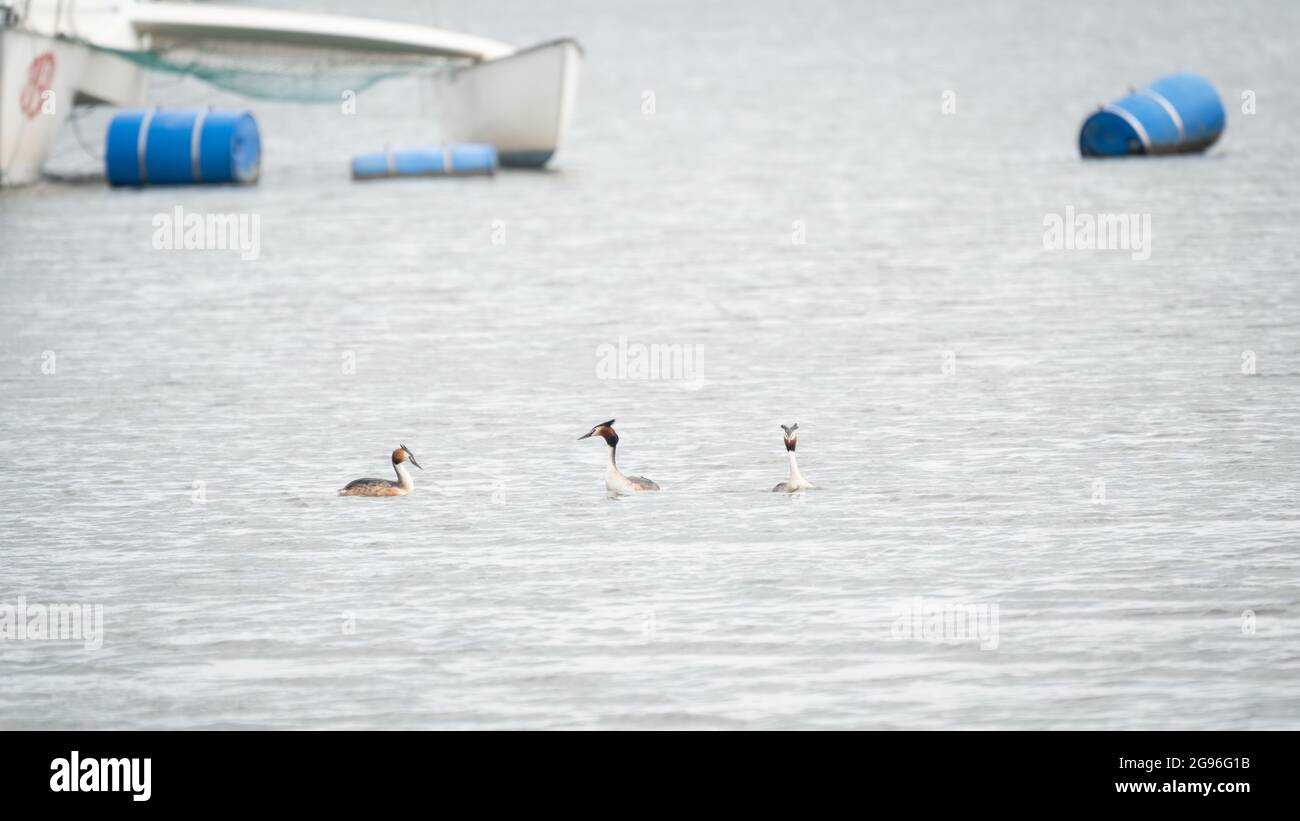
(1069, 436)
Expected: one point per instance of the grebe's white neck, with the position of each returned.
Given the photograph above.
(796, 478)
(404, 476)
(612, 468)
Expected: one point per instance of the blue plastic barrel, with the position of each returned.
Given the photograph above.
(163, 147)
(1177, 114)
(444, 160)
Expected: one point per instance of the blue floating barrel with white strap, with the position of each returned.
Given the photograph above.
(182, 147)
(434, 161)
(1177, 114)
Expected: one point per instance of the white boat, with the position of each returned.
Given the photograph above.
(55, 54)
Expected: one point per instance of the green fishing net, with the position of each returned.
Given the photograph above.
(281, 71)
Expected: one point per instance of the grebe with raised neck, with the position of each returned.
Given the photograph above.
(796, 482)
(386, 487)
(615, 481)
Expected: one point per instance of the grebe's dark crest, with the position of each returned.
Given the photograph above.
(402, 454)
(791, 440)
(605, 430)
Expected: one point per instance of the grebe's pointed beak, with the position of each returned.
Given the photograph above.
(411, 456)
(587, 435)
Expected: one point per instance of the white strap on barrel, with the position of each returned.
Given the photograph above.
(446, 160)
(1128, 117)
(142, 145)
(195, 137)
(391, 161)
(1168, 107)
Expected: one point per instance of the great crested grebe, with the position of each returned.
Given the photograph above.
(615, 481)
(386, 487)
(796, 482)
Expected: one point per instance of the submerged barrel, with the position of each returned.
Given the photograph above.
(437, 161)
(182, 147)
(1176, 114)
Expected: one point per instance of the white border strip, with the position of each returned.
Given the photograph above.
(196, 138)
(1169, 109)
(142, 146)
(1127, 116)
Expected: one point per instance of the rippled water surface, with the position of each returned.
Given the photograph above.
(1093, 461)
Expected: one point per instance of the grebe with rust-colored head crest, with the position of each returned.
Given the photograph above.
(796, 482)
(386, 487)
(615, 481)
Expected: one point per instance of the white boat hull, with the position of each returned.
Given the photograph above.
(40, 80)
(522, 104)
(42, 76)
